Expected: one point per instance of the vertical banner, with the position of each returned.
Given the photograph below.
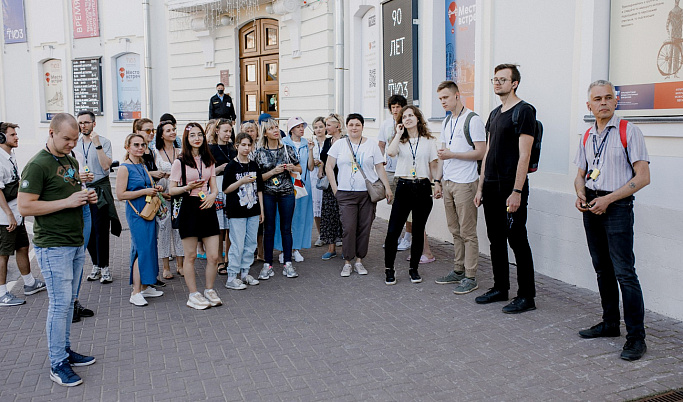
(646, 57)
(85, 19)
(128, 86)
(52, 88)
(14, 24)
(399, 39)
(369, 63)
(461, 18)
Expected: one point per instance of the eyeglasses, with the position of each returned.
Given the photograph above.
(138, 145)
(499, 81)
(149, 130)
(249, 121)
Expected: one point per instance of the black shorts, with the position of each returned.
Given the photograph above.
(14, 240)
(195, 222)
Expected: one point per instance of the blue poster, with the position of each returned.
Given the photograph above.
(128, 86)
(14, 26)
(460, 25)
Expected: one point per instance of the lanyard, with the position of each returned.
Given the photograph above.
(414, 153)
(68, 173)
(597, 150)
(454, 125)
(355, 154)
(167, 157)
(86, 152)
(142, 173)
(200, 168)
(223, 152)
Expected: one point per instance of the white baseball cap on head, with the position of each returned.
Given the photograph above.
(293, 122)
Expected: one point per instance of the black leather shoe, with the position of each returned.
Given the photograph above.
(493, 295)
(76, 317)
(391, 278)
(520, 305)
(82, 311)
(414, 276)
(602, 330)
(634, 349)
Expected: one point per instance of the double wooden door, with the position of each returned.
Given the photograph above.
(260, 69)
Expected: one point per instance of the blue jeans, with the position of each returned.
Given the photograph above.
(610, 242)
(62, 268)
(243, 232)
(285, 206)
(87, 226)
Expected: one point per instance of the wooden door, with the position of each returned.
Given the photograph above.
(259, 69)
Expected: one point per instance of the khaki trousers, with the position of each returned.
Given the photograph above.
(461, 215)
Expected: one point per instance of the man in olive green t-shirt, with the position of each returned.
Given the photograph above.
(51, 191)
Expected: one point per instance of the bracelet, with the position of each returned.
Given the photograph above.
(437, 181)
(98, 147)
(516, 190)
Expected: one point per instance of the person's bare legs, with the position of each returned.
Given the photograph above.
(426, 250)
(211, 248)
(190, 249)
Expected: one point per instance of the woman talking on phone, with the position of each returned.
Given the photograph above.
(193, 175)
(417, 161)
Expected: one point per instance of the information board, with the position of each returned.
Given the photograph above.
(87, 81)
(399, 39)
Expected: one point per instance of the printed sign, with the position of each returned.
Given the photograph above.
(461, 19)
(646, 57)
(88, 85)
(128, 86)
(53, 89)
(13, 21)
(85, 19)
(399, 38)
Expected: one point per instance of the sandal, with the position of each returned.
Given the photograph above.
(179, 272)
(222, 270)
(167, 275)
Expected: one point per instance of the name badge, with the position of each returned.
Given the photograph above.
(413, 172)
(276, 181)
(595, 174)
(354, 167)
(148, 198)
(202, 195)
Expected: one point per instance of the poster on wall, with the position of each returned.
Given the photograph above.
(369, 63)
(88, 85)
(128, 86)
(85, 19)
(461, 18)
(399, 39)
(53, 90)
(14, 24)
(646, 57)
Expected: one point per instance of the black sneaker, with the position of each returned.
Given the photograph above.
(82, 311)
(493, 295)
(602, 330)
(520, 305)
(391, 278)
(414, 276)
(634, 349)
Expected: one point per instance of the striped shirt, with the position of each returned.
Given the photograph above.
(614, 167)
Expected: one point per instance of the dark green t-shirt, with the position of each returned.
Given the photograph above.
(54, 179)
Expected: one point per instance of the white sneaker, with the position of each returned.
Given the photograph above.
(346, 271)
(94, 274)
(319, 243)
(106, 275)
(338, 244)
(212, 297)
(138, 299)
(249, 280)
(281, 257)
(404, 244)
(266, 272)
(297, 256)
(197, 301)
(151, 292)
(235, 284)
(289, 271)
(360, 268)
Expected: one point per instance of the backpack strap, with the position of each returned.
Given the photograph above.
(622, 132)
(466, 128)
(515, 115)
(585, 136)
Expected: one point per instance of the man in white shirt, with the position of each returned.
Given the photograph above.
(386, 133)
(13, 236)
(463, 143)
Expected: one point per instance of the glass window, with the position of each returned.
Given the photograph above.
(251, 73)
(251, 103)
(250, 40)
(271, 71)
(271, 36)
(271, 102)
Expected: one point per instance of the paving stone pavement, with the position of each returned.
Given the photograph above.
(324, 337)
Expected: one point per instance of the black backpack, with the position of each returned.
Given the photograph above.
(538, 134)
(466, 130)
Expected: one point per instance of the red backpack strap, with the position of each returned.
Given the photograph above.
(622, 132)
(585, 136)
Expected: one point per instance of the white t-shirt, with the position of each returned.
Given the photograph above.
(386, 134)
(7, 175)
(453, 135)
(425, 152)
(368, 155)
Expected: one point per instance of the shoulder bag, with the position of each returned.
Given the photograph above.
(152, 206)
(299, 186)
(376, 190)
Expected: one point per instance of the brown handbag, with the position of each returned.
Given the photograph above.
(149, 212)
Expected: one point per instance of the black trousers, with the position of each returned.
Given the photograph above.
(98, 246)
(503, 228)
(411, 196)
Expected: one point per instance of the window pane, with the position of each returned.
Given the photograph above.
(250, 40)
(271, 102)
(271, 71)
(251, 103)
(251, 73)
(271, 37)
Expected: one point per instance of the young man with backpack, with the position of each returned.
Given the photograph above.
(504, 192)
(463, 143)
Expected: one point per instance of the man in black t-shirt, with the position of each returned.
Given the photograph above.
(504, 192)
(220, 105)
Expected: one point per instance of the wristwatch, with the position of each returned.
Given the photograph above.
(516, 190)
(98, 147)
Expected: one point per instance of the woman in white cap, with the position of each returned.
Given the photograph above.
(302, 220)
